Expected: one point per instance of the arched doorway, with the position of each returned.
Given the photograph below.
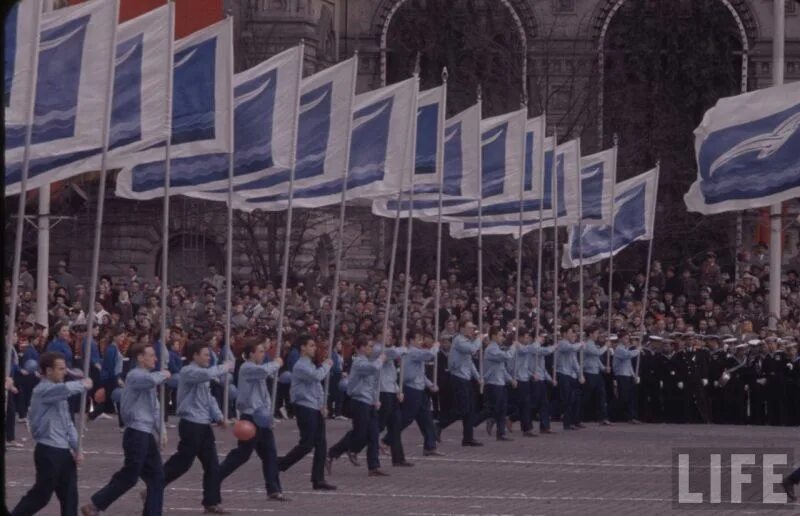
(190, 254)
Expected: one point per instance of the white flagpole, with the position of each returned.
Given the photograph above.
(340, 247)
(227, 349)
(165, 223)
(611, 251)
(580, 265)
(519, 239)
(480, 240)
(554, 198)
(541, 239)
(775, 211)
(287, 237)
(440, 171)
(392, 261)
(98, 226)
(410, 237)
(649, 261)
(30, 100)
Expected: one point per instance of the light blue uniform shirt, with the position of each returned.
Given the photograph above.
(253, 389)
(388, 381)
(139, 406)
(592, 364)
(622, 360)
(49, 416)
(363, 380)
(521, 362)
(306, 389)
(459, 361)
(195, 402)
(538, 364)
(495, 372)
(567, 359)
(414, 368)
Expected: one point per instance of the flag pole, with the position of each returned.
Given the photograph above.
(288, 231)
(775, 211)
(440, 171)
(524, 105)
(611, 251)
(649, 262)
(30, 100)
(480, 240)
(554, 197)
(227, 349)
(540, 254)
(340, 247)
(98, 226)
(410, 235)
(392, 261)
(580, 266)
(164, 353)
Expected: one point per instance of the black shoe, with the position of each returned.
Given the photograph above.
(432, 453)
(504, 438)
(529, 433)
(404, 464)
(377, 473)
(546, 431)
(278, 497)
(788, 486)
(324, 486)
(353, 458)
(606, 422)
(472, 443)
(580, 425)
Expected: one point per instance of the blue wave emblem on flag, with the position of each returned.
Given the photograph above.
(530, 152)
(58, 80)
(193, 99)
(754, 159)
(493, 160)
(313, 132)
(592, 191)
(370, 142)
(126, 110)
(629, 224)
(427, 125)
(10, 51)
(453, 160)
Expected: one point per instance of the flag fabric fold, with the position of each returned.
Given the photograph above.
(598, 176)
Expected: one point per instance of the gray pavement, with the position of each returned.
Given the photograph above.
(622, 469)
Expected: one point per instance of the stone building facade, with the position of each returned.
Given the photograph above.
(564, 40)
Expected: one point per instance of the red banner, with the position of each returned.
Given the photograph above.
(191, 15)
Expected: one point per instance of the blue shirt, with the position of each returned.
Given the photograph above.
(195, 402)
(592, 364)
(520, 364)
(495, 372)
(363, 381)
(175, 362)
(94, 355)
(253, 387)
(61, 346)
(388, 382)
(139, 406)
(459, 361)
(112, 363)
(306, 389)
(291, 359)
(414, 368)
(622, 360)
(567, 359)
(50, 419)
(538, 364)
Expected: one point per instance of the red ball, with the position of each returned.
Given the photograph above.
(244, 430)
(100, 395)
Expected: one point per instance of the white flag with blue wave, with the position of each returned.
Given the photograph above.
(70, 91)
(503, 218)
(381, 151)
(598, 176)
(748, 151)
(430, 139)
(634, 218)
(264, 113)
(19, 41)
(202, 86)
(138, 117)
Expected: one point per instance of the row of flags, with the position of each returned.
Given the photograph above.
(393, 146)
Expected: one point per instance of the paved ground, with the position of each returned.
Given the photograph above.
(619, 470)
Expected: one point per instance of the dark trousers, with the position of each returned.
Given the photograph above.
(416, 407)
(794, 478)
(594, 389)
(312, 437)
(107, 407)
(540, 403)
(520, 405)
(282, 400)
(142, 460)
(11, 417)
(495, 407)
(264, 445)
(568, 393)
(25, 384)
(55, 473)
(196, 440)
(335, 396)
(463, 408)
(626, 386)
(364, 433)
(390, 419)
